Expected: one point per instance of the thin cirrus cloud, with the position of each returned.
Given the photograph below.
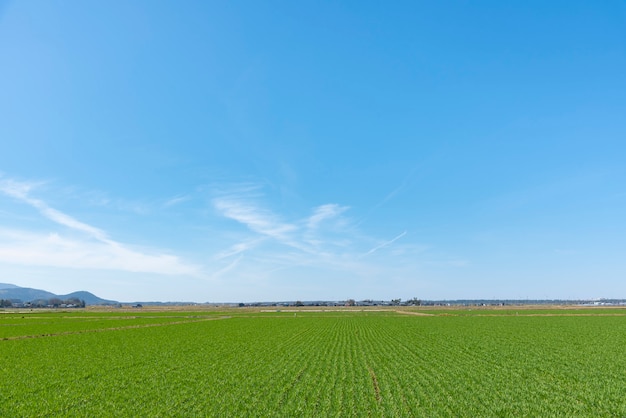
(320, 239)
(246, 211)
(230, 266)
(255, 218)
(176, 200)
(238, 248)
(54, 250)
(325, 212)
(21, 191)
(94, 249)
(385, 244)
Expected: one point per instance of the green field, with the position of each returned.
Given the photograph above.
(337, 363)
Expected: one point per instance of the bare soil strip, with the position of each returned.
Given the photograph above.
(556, 314)
(24, 337)
(375, 383)
(414, 313)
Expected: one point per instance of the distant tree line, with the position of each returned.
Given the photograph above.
(44, 303)
(348, 302)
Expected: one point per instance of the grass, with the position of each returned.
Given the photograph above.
(335, 363)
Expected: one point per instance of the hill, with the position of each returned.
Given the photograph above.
(7, 286)
(27, 294)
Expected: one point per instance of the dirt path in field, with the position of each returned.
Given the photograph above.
(85, 331)
(559, 314)
(414, 313)
(375, 384)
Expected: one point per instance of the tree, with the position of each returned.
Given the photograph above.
(350, 302)
(414, 302)
(39, 303)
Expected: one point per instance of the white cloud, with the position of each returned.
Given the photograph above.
(238, 248)
(325, 212)
(17, 189)
(25, 248)
(20, 191)
(255, 218)
(70, 222)
(94, 250)
(320, 239)
(385, 244)
(227, 268)
(176, 200)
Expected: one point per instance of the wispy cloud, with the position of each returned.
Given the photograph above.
(17, 189)
(176, 200)
(321, 240)
(238, 248)
(255, 218)
(94, 249)
(385, 244)
(391, 195)
(270, 242)
(21, 190)
(324, 212)
(221, 272)
(19, 247)
(307, 240)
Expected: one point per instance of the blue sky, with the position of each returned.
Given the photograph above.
(245, 151)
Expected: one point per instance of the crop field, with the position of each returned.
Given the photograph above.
(240, 362)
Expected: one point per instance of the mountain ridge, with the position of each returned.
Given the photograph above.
(28, 294)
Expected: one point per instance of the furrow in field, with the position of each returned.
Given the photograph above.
(126, 327)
